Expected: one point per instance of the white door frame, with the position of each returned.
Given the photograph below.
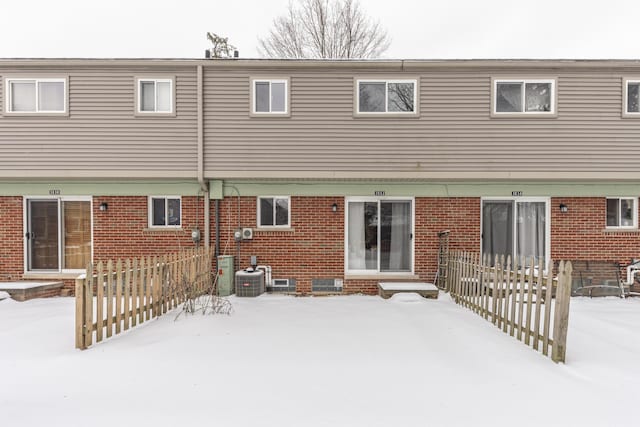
(515, 200)
(25, 228)
(346, 233)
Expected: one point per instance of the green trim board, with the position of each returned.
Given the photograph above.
(424, 189)
(100, 188)
(220, 188)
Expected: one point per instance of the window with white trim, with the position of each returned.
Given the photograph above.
(633, 97)
(524, 96)
(155, 96)
(270, 97)
(622, 212)
(387, 96)
(379, 235)
(45, 95)
(274, 211)
(165, 211)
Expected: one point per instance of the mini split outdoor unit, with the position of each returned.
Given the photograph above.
(249, 283)
(247, 233)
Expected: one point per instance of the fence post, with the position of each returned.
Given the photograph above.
(80, 313)
(447, 282)
(561, 313)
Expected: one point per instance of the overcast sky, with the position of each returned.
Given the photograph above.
(418, 28)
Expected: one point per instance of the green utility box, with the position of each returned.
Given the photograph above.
(225, 275)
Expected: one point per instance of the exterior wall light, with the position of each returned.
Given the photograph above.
(334, 207)
(104, 206)
(564, 208)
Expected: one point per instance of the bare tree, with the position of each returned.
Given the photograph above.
(324, 29)
(221, 47)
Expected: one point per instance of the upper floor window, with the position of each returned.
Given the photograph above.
(632, 97)
(155, 96)
(270, 96)
(524, 97)
(387, 96)
(622, 212)
(42, 95)
(273, 211)
(165, 211)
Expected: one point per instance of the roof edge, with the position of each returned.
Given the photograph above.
(334, 63)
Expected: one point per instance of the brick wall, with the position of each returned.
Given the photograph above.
(122, 230)
(119, 232)
(11, 239)
(581, 233)
(315, 246)
(313, 249)
(460, 215)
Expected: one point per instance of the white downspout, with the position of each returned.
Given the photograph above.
(204, 186)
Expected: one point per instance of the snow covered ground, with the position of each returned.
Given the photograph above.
(332, 361)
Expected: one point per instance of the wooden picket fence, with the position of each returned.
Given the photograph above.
(518, 298)
(114, 296)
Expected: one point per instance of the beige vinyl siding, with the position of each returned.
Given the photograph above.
(102, 136)
(453, 135)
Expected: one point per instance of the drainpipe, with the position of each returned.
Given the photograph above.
(217, 213)
(204, 186)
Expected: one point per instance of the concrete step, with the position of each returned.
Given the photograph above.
(26, 290)
(388, 289)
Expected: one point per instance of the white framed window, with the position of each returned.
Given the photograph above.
(165, 211)
(58, 233)
(386, 96)
(528, 96)
(36, 95)
(632, 97)
(379, 235)
(516, 226)
(274, 211)
(622, 212)
(270, 96)
(155, 95)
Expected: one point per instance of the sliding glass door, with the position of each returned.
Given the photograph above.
(58, 234)
(517, 227)
(379, 235)
(42, 235)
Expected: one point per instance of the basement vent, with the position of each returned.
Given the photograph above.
(326, 285)
(282, 285)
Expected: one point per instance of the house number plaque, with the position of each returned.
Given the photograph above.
(55, 192)
(516, 193)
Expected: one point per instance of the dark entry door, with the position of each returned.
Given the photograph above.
(42, 235)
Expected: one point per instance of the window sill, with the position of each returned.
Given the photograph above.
(382, 276)
(163, 230)
(36, 114)
(621, 230)
(358, 115)
(151, 114)
(495, 115)
(274, 229)
(266, 115)
(51, 276)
